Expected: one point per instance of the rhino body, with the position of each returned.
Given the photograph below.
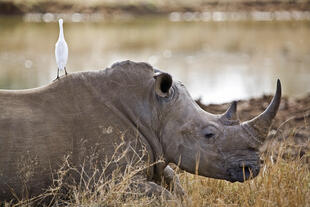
(92, 112)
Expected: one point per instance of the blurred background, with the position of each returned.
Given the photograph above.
(222, 50)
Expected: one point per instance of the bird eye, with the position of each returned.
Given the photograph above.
(209, 135)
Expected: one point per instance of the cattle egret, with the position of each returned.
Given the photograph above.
(61, 50)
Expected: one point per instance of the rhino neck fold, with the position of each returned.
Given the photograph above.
(136, 112)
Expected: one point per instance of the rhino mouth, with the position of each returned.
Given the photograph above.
(242, 173)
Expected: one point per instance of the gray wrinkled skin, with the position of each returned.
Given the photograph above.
(89, 111)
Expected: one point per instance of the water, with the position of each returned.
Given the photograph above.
(217, 61)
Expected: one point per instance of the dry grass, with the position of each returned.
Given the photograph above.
(93, 183)
(280, 183)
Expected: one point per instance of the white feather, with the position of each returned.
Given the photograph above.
(61, 48)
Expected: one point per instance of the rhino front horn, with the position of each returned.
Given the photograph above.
(259, 126)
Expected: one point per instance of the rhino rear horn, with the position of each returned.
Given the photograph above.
(260, 125)
(163, 83)
(231, 113)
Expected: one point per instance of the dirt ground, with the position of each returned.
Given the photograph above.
(290, 132)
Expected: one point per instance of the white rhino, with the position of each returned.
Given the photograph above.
(89, 112)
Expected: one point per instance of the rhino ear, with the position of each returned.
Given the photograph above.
(163, 83)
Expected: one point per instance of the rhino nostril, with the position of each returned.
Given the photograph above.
(252, 149)
(243, 171)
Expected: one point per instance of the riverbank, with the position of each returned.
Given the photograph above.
(142, 8)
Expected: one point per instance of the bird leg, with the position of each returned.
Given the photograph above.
(57, 74)
(66, 71)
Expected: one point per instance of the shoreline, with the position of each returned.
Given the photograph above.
(21, 8)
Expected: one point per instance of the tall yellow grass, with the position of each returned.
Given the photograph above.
(280, 183)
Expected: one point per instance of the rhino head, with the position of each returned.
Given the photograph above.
(216, 146)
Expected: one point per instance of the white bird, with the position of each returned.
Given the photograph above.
(61, 50)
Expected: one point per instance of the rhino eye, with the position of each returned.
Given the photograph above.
(209, 132)
(209, 135)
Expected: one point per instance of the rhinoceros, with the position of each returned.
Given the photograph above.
(91, 111)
